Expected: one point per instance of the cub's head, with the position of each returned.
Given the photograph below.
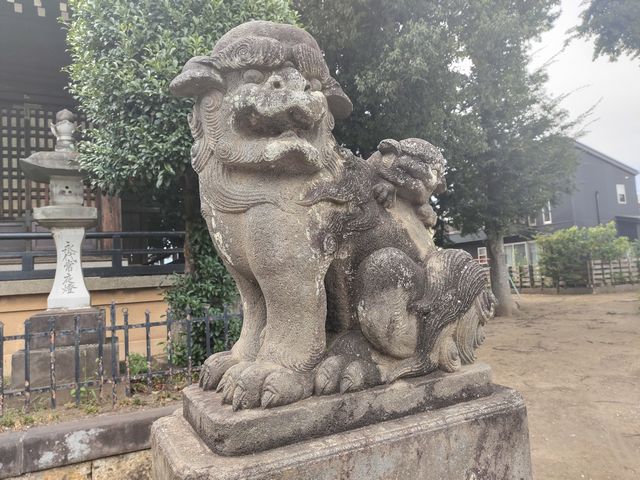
(264, 100)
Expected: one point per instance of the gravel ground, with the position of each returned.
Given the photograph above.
(576, 361)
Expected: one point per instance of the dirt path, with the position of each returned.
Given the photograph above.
(576, 361)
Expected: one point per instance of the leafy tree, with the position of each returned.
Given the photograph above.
(124, 56)
(455, 73)
(615, 26)
(527, 158)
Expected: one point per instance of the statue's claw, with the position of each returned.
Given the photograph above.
(327, 380)
(214, 368)
(229, 380)
(359, 375)
(285, 386)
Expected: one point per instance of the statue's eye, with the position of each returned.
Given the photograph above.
(252, 76)
(315, 84)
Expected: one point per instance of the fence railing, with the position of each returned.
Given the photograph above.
(167, 258)
(109, 371)
(616, 272)
(596, 273)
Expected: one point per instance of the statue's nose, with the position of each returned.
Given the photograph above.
(288, 78)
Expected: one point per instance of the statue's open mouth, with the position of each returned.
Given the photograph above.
(293, 153)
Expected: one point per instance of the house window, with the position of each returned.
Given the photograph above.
(546, 214)
(621, 193)
(482, 256)
(533, 221)
(516, 254)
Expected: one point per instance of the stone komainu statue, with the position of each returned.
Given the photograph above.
(342, 287)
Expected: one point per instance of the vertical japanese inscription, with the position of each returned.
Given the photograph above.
(69, 259)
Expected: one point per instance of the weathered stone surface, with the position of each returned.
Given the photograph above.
(71, 472)
(54, 446)
(133, 466)
(64, 320)
(342, 286)
(130, 466)
(40, 361)
(250, 431)
(483, 439)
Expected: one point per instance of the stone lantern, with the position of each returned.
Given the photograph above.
(66, 216)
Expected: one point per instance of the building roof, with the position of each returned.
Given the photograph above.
(478, 236)
(606, 158)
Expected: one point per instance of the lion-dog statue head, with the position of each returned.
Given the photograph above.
(265, 101)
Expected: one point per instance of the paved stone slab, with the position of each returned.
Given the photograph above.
(482, 439)
(246, 431)
(52, 446)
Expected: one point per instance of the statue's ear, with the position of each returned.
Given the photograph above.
(339, 104)
(198, 76)
(390, 146)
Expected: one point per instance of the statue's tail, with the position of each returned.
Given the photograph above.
(469, 332)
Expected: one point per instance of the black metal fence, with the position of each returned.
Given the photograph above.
(106, 378)
(167, 257)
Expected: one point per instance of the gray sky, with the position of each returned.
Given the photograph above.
(615, 122)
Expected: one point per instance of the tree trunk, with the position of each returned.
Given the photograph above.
(499, 273)
(191, 209)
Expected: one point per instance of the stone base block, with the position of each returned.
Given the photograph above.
(40, 361)
(247, 431)
(480, 439)
(64, 321)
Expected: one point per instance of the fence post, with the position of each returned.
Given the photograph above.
(225, 323)
(622, 277)
(613, 282)
(27, 364)
(1, 369)
(207, 330)
(127, 366)
(101, 335)
(114, 363)
(147, 338)
(169, 344)
(76, 344)
(189, 343)
(52, 360)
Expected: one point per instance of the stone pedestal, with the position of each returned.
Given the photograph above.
(466, 429)
(39, 352)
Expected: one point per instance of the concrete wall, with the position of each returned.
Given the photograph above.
(21, 299)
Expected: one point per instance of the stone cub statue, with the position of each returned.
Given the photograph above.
(342, 287)
(412, 168)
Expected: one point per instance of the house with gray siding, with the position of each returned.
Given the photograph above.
(605, 191)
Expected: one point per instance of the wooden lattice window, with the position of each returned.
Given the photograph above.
(24, 129)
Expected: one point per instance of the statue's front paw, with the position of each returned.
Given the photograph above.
(264, 384)
(385, 194)
(214, 368)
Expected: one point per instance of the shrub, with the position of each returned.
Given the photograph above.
(565, 254)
